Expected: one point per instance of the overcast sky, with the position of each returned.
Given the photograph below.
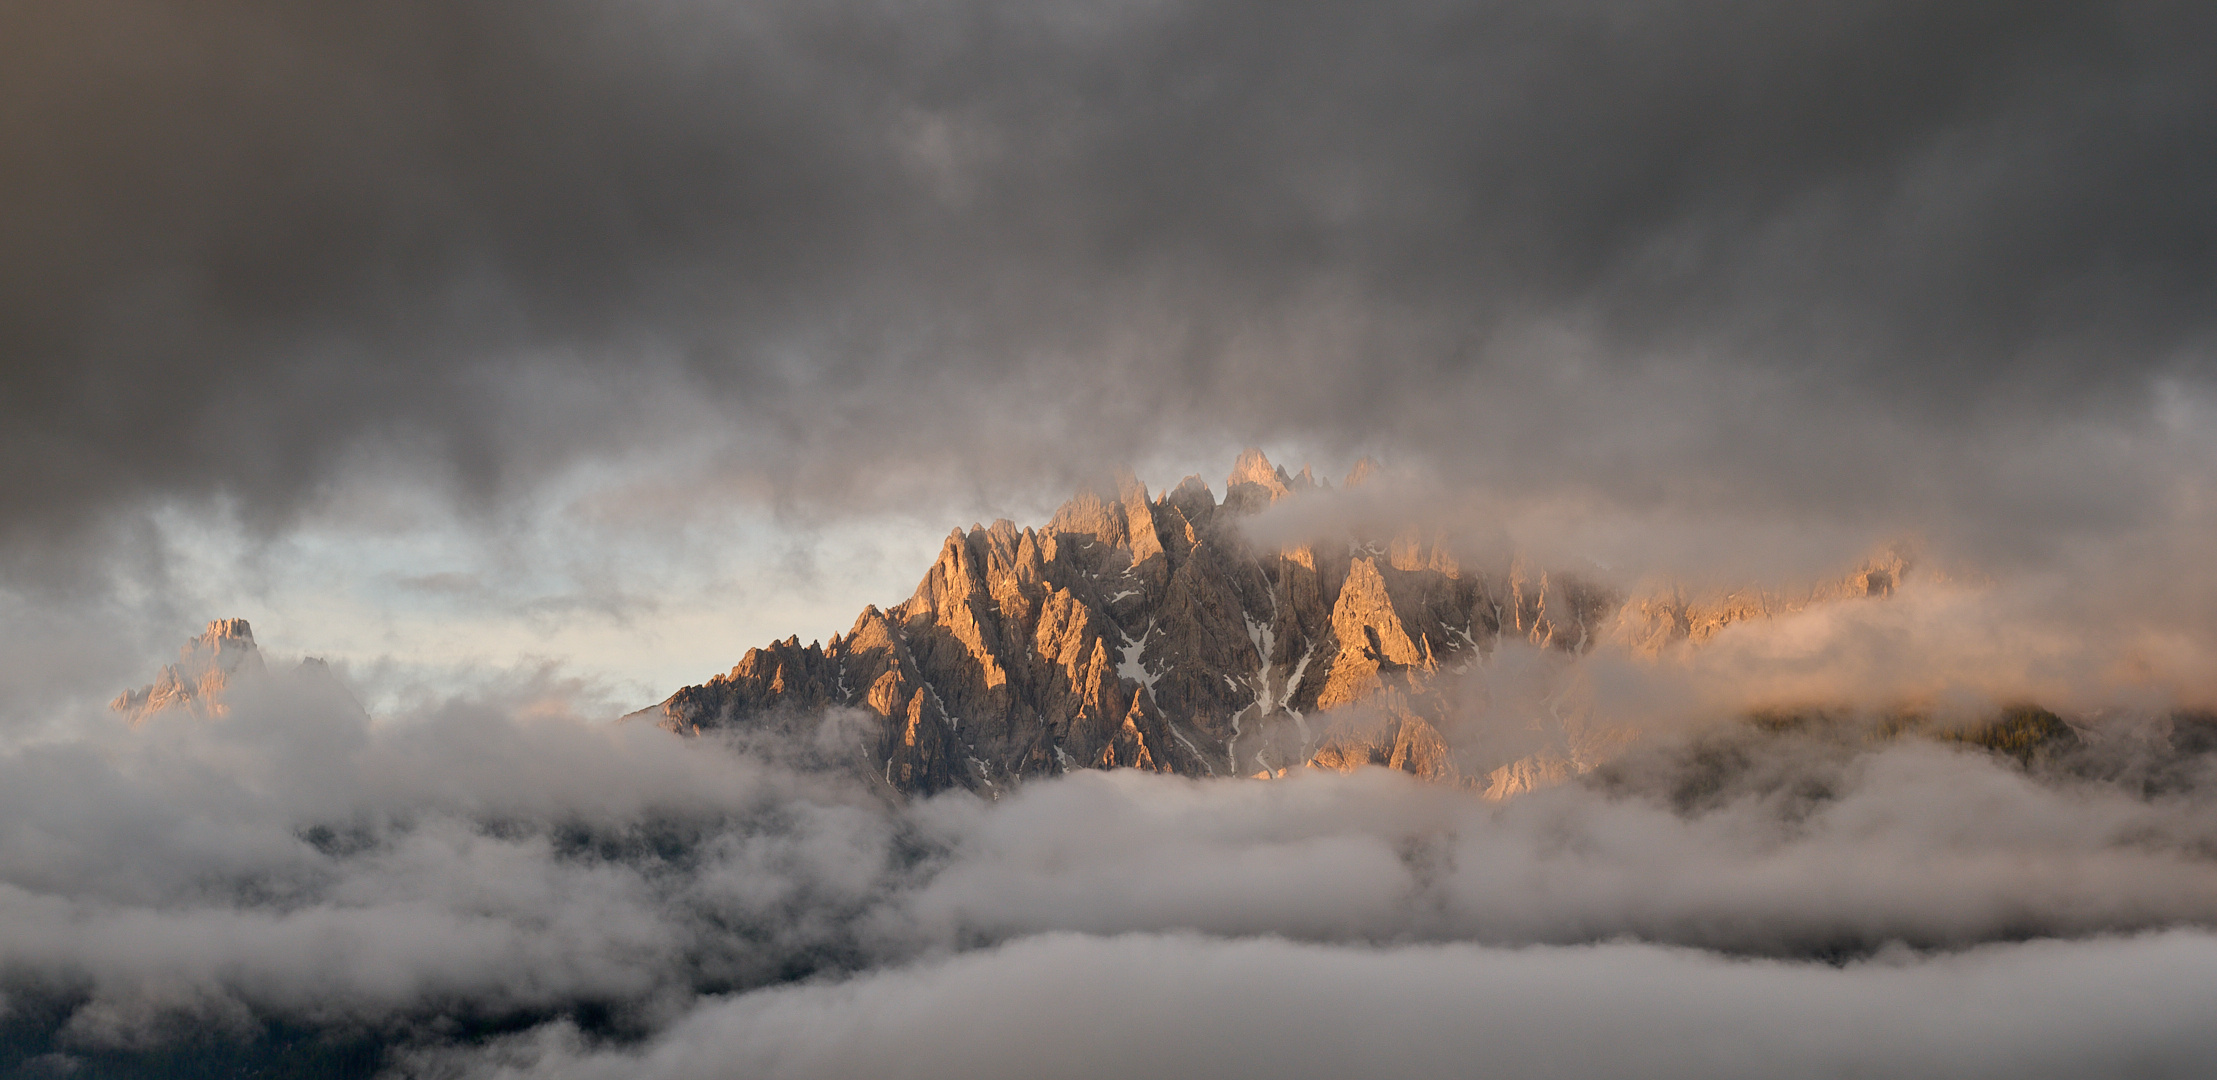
(678, 325)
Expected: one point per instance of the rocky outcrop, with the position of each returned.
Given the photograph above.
(207, 665)
(1654, 623)
(1148, 632)
(214, 670)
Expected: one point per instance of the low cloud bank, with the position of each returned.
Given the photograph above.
(497, 883)
(1180, 1005)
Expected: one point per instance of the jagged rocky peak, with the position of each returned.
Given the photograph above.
(1254, 468)
(1255, 483)
(204, 667)
(1149, 631)
(211, 668)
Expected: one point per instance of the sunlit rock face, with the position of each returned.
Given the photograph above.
(1148, 632)
(214, 669)
(205, 667)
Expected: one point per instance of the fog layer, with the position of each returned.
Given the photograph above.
(499, 864)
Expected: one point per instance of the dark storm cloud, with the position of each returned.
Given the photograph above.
(245, 235)
(1805, 251)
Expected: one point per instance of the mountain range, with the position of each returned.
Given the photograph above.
(1151, 632)
(1154, 632)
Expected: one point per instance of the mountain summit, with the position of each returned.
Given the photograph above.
(1149, 632)
(215, 669)
(205, 667)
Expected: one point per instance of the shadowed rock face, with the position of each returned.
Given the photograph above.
(1149, 633)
